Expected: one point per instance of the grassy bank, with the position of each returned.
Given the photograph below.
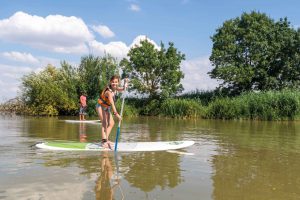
(283, 105)
(270, 105)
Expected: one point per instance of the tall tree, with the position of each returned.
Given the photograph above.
(154, 72)
(95, 72)
(253, 52)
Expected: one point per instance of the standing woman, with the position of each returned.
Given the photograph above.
(107, 104)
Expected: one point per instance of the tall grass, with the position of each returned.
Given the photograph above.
(130, 108)
(271, 105)
(203, 96)
(181, 108)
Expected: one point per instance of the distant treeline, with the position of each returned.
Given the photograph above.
(270, 105)
(255, 58)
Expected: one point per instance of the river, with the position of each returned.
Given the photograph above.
(230, 160)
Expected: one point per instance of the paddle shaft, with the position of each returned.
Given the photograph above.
(119, 125)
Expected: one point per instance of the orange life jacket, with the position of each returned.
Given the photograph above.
(103, 100)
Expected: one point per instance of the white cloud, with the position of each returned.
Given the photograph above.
(60, 34)
(20, 57)
(115, 49)
(138, 39)
(53, 33)
(10, 80)
(10, 74)
(196, 76)
(134, 8)
(44, 61)
(104, 31)
(13, 71)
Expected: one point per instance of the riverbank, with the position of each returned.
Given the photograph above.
(270, 105)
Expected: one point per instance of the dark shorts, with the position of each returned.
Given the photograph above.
(82, 110)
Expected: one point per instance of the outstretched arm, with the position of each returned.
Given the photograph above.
(115, 112)
(121, 89)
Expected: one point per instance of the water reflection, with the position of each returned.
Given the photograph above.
(143, 171)
(149, 170)
(261, 173)
(261, 161)
(107, 183)
(82, 132)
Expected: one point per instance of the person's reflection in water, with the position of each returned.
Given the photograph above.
(105, 185)
(82, 132)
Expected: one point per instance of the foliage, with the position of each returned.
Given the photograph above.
(95, 73)
(270, 105)
(253, 52)
(182, 108)
(154, 72)
(223, 108)
(129, 109)
(151, 107)
(56, 91)
(204, 97)
(50, 91)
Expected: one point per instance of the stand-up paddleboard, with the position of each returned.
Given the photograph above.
(122, 147)
(83, 121)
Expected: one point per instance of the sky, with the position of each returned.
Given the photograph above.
(35, 33)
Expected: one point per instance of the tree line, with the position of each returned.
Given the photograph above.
(154, 73)
(251, 54)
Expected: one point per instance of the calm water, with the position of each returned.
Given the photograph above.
(231, 160)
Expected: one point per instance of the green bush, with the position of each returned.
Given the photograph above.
(224, 108)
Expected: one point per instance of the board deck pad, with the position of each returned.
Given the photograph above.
(122, 146)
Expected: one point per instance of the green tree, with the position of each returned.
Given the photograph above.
(95, 72)
(253, 52)
(154, 72)
(51, 91)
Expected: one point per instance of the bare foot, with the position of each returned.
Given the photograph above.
(106, 145)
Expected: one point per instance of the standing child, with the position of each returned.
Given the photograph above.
(107, 103)
(83, 106)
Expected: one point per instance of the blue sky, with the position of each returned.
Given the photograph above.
(34, 33)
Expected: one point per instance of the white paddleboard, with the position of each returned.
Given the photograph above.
(83, 121)
(122, 147)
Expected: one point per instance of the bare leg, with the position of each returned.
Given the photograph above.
(105, 123)
(110, 125)
(99, 111)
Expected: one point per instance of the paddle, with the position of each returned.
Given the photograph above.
(121, 114)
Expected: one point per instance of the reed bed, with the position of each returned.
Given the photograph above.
(270, 105)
